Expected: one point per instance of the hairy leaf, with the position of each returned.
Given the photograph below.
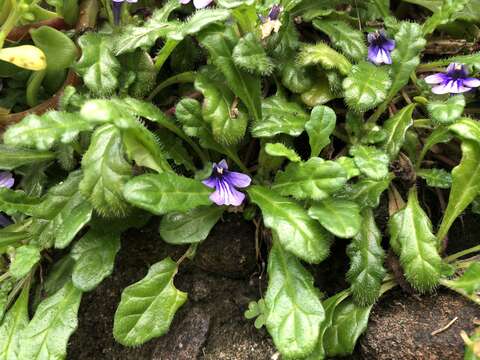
(343, 37)
(439, 178)
(325, 56)
(189, 227)
(164, 193)
(444, 15)
(47, 334)
(98, 67)
(147, 307)
(45, 131)
(67, 211)
(319, 128)
(26, 257)
(412, 240)
(95, 256)
(314, 179)
(200, 20)
(341, 217)
(250, 55)
(370, 161)
(298, 79)
(296, 231)
(280, 117)
(446, 112)
(365, 86)
(465, 185)
(293, 305)
(396, 128)
(12, 157)
(466, 128)
(366, 192)
(13, 324)
(279, 149)
(366, 271)
(469, 281)
(105, 172)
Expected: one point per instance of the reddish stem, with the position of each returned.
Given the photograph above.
(23, 32)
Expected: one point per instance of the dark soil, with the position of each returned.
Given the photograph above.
(224, 278)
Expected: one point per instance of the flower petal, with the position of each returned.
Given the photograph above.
(4, 221)
(372, 53)
(211, 182)
(184, 2)
(6, 179)
(444, 88)
(389, 44)
(471, 82)
(238, 179)
(222, 164)
(436, 78)
(225, 194)
(200, 4)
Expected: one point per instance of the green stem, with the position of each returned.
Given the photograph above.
(458, 255)
(7, 7)
(165, 52)
(233, 155)
(4, 276)
(185, 77)
(10, 23)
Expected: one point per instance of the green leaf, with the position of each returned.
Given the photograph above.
(95, 257)
(466, 128)
(365, 192)
(469, 281)
(293, 305)
(465, 185)
(341, 217)
(67, 211)
(314, 179)
(371, 161)
(46, 336)
(319, 94)
(228, 121)
(141, 66)
(250, 55)
(279, 149)
(445, 14)
(319, 128)
(45, 131)
(280, 117)
(439, 178)
(189, 227)
(200, 20)
(164, 193)
(105, 172)
(220, 42)
(145, 36)
(12, 157)
(409, 43)
(26, 257)
(412, 240)
(349, 166)
(366, 254)
(59, 49)
(298, 79)
(396, 128)
(439, 135)
(98, 66)
(147, 307)
(345, 38)
(348, 323)
(324, 55)
(12, 202)
(13, 324)
(296, 231)
(365, 86)
(446, 112)
(257, 310)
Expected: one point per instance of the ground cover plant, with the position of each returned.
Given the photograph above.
(315, 119)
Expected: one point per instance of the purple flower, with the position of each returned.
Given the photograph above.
(380, 47)
(271, 23)
(117, 9)
(225, 183)
(199, 4)
(454, 81)
(6, 181)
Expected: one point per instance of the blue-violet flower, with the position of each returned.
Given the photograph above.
(454, 81)
(6, 181)
(199, 4)
(225, 183)
(380, 47)
(271, 23)
(117, 9)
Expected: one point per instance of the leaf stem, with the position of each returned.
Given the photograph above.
(459, 254)
(165, 52)
(473, 297)
(10, 23)
(185, 77)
